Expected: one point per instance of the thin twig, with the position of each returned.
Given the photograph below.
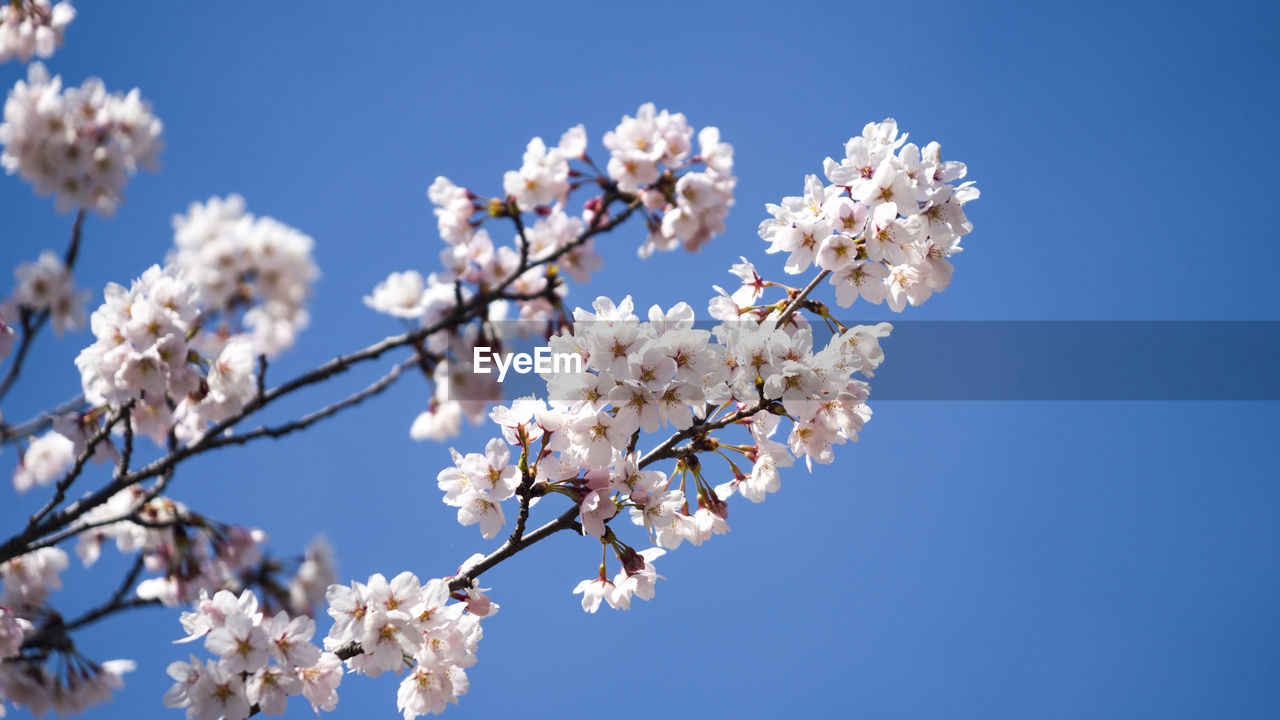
(117, 598)
(525, 493)
(73, 248)
(30, 328)
(60, 491)
(795, 302)
(564, 522)
(281, 430)
(55, 633)
(130, 516)
(524, 241)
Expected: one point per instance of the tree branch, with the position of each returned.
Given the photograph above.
(55, 632)
(60, 491)
(512, 546)
(22, 543)
(281, 430)
(799, 298)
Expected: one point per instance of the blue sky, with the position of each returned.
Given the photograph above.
(966, 559)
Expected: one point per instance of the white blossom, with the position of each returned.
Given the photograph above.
(45, 460)
(32, 28)
(80, 144)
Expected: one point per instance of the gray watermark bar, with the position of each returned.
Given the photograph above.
(1075, 360)
(1015, 360)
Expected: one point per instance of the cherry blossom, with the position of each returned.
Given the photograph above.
(667, 421)
(27, 579)
(32, 28)
(45, 286)
(44, 461)
(256, 273)
(79, 144)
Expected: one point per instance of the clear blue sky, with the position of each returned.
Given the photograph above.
(966, 559)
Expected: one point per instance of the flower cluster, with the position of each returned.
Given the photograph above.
(885, 226)
(544, 176)
(317, 571)
(645, 153)
(251, 271)
(72, 684)
(191, 553)
(403, 624)
(636, 580)
(261, 661)
(476, 484)
(177, 351)
(28, 579)
(641, 376)
(45, 286)
(78, 685)
(684, 198)
(541, 185)
(43, 461)
(144, 352)
(80, 144)
(32, 28)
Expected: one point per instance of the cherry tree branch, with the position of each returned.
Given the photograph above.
(60, 490)
(278, 431)
(56, 527)
(51, 522)
(121, 599)
(54, 632)
(799, 298)
(130, 516)
(512, 546)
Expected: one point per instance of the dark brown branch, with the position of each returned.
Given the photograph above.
(73, 248)
(512, 546)
(130, 516)
(525, 493)
(524, 241)
(120, 599)
(281, 430)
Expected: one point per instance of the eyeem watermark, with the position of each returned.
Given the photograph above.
(541, 361)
